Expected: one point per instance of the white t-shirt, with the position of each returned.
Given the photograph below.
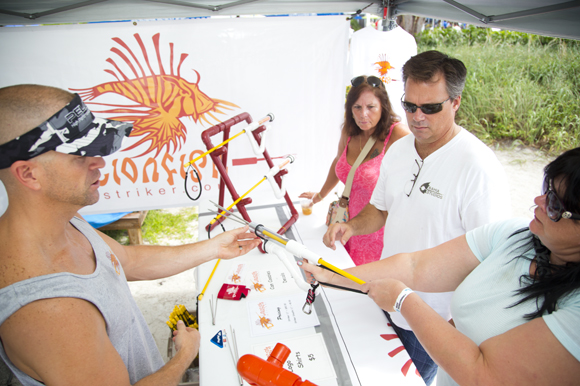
(3, 199)
(460, 187)
(480, 304)
(383, 54)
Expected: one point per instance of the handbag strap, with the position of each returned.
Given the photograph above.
(348, 185)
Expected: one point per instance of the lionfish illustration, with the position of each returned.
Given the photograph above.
(160, 100)
(259, 287)
(383, 65)
(115, 262)
(265, 322)
(407, 365)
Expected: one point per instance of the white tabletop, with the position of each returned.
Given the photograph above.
(363, 348)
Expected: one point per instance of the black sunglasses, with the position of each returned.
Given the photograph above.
(555, 208)
(431, 108)
(372, 80)
(411, 184)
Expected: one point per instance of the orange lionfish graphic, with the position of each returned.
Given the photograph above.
(383, 67)
(236, 278)
(259, 287)
(115, 262)
(160, 100)
(407, 365)
(265, 322)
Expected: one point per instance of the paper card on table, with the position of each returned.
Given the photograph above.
(257, 281)
(308, 359)
(269, 280)
(279, 314)
(236, 274)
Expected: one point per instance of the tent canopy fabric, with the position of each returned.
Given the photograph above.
(541, 17)
(558, 18)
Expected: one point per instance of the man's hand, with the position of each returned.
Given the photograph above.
(235, 243)
(337, 232)
(186, 337)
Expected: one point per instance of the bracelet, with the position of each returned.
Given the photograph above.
(401, 298)
(319, 196)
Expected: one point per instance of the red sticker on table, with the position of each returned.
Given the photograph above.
(233, 292)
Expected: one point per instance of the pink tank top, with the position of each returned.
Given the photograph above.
(365, 248)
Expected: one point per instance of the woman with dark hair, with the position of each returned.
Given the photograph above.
(516, 305)
(368, 113)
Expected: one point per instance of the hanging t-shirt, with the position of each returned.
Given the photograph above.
(383, 54)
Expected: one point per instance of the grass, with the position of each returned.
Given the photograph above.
(162, 224)
(520, 86)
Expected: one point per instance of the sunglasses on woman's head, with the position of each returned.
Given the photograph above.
(371, 80)
(555, 208)
(431, 108)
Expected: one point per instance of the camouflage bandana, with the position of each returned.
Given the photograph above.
(73, 130)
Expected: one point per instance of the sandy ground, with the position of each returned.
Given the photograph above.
(523, 166)
(156, 298)
(525, 170)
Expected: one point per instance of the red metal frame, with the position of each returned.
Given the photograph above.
(220, 157)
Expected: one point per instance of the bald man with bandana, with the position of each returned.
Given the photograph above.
(67, 316)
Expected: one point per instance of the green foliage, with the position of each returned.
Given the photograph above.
(122, 236)
(354, 24)
(162, 224)
(519, 87)
(473, 35)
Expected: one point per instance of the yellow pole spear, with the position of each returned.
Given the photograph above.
(254, 126)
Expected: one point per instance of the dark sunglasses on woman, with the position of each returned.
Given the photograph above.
(431, 108)
(371, 80)
(555, 208)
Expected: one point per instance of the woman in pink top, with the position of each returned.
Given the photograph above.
(368, 113)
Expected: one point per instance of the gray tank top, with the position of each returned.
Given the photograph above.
(108, 290)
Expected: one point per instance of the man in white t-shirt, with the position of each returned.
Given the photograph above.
(435, 185)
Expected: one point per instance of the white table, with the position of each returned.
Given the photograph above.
(363, 348)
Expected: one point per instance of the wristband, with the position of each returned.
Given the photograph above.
(319, 196)
(401, 298)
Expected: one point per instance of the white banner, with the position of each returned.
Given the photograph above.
(175, 79)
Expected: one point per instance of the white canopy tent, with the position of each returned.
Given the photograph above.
(559, 18)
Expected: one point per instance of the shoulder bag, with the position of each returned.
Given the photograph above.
(338, 210)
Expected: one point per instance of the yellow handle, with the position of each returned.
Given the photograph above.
(340, 271)
(260, 122)
(275, 237)
(212, 149)
(235, 202)
(208, 280)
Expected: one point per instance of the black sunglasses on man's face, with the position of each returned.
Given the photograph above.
(431, 108)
